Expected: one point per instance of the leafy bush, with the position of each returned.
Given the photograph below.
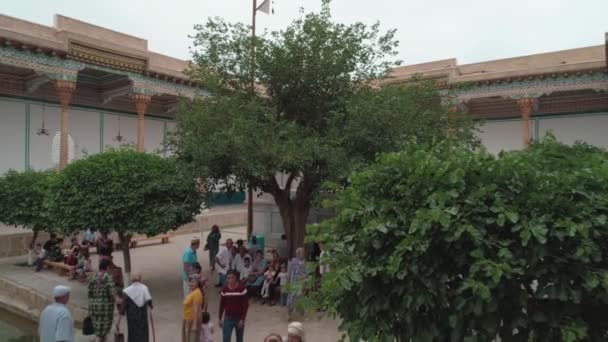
(21, 200)
(444, 244)
(124, 191)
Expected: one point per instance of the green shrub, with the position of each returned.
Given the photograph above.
(124, 191)
(445, 244)
(21, 200)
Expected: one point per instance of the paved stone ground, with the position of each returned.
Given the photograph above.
(160, 265)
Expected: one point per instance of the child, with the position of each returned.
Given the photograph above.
(268, 278)
(282, 285)
(206, 328)
(83, 266)
(39, 253)
(245, 269)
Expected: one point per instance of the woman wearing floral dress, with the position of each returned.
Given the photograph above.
(296, 271)
(101, 294)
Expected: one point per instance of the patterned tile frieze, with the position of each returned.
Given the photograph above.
(67, 69)
(53, 67)
(535, 87)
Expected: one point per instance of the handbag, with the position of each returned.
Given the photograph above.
(87, 326)
(118, 336)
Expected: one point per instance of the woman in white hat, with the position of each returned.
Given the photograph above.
(295, 332)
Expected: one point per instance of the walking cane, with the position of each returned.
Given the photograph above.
(152, 325)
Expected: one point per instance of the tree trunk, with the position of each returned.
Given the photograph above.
(125, 242)
(30, 254)
(294, 214)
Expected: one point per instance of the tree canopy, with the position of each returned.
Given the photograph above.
(439, 243)
(124, 191)
(22, 200)
(316, 114)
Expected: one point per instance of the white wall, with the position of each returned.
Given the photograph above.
(497, 136)
(12, 135)
(41, 145)
(592, 129)
(128, 129)
(85, 130)
(154, 135)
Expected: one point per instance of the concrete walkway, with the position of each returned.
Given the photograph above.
(160, 265)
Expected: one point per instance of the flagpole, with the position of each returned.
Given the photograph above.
(250, 190)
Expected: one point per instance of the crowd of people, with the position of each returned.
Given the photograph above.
(243, 274)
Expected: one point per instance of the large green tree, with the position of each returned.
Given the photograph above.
(21, 200)
(316, 113)
(439, 243)
(124, 191)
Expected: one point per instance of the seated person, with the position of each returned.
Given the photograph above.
(245, 269)
(83, 266)
(256, 275)
(72, 258)
(54, 253)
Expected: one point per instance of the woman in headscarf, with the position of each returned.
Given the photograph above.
(102, 296)
(136, 303)
(295, 332)
(296, 271)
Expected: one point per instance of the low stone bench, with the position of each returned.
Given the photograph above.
(60, 267)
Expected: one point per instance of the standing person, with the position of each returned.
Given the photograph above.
(295, 332)
(90, 238)
(105, 246)
(282, 247)
(102, 296)
(296, 271)
(233, 308)
(223, 261)
(213, 244)
(206, 328)
(192, 311)
(136, 304)
(253, 246)
(56, 323)
(189, 259)
(282, 285)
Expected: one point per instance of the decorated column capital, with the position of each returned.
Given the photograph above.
(64, 90)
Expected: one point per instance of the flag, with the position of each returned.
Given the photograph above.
(265, 7)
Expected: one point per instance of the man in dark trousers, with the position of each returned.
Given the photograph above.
(234, 303)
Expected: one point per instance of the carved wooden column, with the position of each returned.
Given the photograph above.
(141, 105)
(65, 90)
(526, 106)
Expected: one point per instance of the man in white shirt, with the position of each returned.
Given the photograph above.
(224, 261)
(56, 323)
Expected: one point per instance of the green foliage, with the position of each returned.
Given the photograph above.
(22, 197)
(316, 115)
(439, 243)
(125, 191)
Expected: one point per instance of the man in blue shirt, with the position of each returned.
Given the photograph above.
(56, 323)
(189, 259)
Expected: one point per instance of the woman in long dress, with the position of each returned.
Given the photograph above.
(102, 296)
(296, 271)
(136, 303)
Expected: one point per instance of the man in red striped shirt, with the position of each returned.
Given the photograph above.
(234, 303)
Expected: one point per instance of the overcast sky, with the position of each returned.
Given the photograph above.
(469, 30)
